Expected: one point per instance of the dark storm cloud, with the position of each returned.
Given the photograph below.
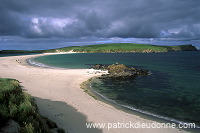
(105, 18)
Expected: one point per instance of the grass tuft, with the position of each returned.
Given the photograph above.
(20, 107)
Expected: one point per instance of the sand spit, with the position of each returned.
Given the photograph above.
(60, 98)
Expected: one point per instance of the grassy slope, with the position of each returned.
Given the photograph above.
(19, 106)
(111, 48)
(124, 47)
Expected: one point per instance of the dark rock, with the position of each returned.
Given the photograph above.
(120, 70)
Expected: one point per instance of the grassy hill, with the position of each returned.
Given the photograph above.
(113, 48)
(124, 48)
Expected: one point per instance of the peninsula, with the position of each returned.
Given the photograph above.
(111, 48)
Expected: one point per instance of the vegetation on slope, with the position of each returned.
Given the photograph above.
(19, 106)
(111, 48)
(124, 48)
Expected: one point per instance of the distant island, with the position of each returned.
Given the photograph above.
(111, 48)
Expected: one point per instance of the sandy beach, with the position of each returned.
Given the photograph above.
(59, 97)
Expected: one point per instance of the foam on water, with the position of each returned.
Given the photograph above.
(142, 111)
(31, 62)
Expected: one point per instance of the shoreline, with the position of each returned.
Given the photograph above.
(63, 86)
(129, 109)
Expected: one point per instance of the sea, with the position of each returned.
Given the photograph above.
(171, 91)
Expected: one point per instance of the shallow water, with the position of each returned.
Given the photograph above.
(172, 90)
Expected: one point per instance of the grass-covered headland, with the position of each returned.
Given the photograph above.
(111, 48)
(19, 106)
(124, 48)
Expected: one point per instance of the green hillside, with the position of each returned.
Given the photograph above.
(124, 48)
(112, 48)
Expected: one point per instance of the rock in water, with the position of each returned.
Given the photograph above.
(120, 70)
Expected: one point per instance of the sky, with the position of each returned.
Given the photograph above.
(45, 24)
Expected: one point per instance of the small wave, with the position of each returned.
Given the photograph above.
(150, 73)
(112, 101)
(142, 111)
(31, 62)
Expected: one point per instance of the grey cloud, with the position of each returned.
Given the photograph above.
(189, 31)
(87, 23)
(105, 18)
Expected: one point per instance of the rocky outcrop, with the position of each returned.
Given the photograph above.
(120, 70)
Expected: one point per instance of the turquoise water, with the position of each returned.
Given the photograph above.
(172, 90)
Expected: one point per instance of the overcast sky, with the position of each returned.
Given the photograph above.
(40, 24)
